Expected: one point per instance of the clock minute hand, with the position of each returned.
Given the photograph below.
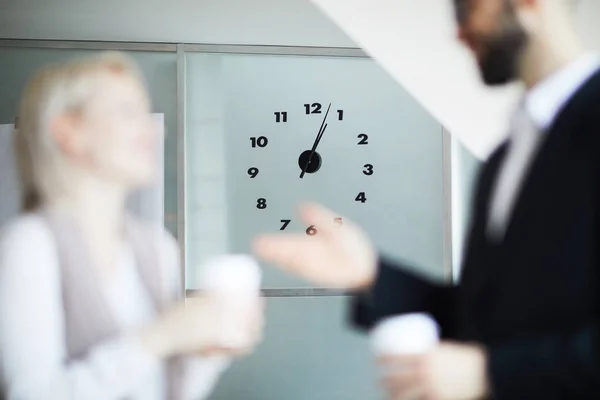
(317, 140)
(320, 133)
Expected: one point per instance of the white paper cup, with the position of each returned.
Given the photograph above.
(405, 334)
(236, 274)
(236, 279)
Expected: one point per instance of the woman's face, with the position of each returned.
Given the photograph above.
(117, 138)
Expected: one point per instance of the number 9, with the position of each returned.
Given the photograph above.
(253, 172)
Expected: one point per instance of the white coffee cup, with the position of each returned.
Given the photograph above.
(235, 274)
(405, 334)
(237, 279)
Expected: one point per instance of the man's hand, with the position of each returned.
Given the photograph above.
(451, 371)
(338, 256)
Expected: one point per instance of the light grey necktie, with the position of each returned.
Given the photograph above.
(523, 141)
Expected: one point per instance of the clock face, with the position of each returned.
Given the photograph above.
(332, 130)
(308, 159)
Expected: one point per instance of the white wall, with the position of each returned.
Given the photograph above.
(273, 22)
(413, 40)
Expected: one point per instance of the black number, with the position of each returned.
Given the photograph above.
(368, 169)
(311, 230)
(338, 221)
(281, 116)
(261, 204)
(363, 138)
(260, 142)
(285, 223)
(361, 197)
(340, 115)
(316, 108)
(253, 172)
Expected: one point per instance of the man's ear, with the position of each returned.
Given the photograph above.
(528, 13)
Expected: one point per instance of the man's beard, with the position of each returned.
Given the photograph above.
(500, 64)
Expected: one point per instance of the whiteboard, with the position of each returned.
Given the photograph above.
(9, 184)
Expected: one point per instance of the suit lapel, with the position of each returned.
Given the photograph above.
(476, 266)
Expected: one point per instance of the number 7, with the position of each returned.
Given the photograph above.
(285, 223)
(338, 221)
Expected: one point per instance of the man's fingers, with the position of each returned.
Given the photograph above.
(280, 248)
(414, 392)
(324, 219)
(402, 382)
(405, 360)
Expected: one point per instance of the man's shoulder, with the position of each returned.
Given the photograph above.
(580, 118)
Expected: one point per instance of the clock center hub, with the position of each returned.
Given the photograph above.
(310, 164)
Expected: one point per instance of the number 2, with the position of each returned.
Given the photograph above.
(363, 138)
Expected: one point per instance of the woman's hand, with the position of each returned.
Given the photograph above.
(449, 372)
(208, 325)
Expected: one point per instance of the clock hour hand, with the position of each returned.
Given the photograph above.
(312, 152)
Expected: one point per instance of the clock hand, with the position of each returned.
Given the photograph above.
(312, 151)
(317, 140)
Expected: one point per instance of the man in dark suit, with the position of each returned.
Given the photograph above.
(523, 321)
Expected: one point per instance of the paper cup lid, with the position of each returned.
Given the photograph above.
(234, 273)
(405, 334)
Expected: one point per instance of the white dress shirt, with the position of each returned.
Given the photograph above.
(534, 116)
(32, 335)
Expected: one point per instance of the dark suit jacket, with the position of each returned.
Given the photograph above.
(533, 298)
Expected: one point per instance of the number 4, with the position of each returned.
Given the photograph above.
(361, 197)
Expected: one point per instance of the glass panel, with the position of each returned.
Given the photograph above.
(251, 124)
(18, 64)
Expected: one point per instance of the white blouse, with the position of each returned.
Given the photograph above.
(32, 336)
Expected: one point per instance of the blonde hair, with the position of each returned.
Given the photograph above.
(53, 91)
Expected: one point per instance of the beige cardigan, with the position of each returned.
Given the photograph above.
(87, 316)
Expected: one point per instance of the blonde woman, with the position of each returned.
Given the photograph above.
(89, 296)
